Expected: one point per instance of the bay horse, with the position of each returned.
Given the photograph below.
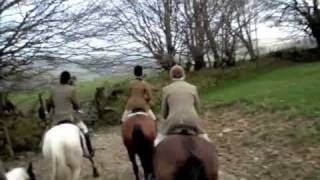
(63, 148)
(138, 133)
(187, 157)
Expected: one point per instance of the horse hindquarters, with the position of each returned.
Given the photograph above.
(193, 169)
(56, 157)
(185, 157)
(62, 148)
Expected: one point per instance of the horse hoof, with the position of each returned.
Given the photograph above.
(95, 173)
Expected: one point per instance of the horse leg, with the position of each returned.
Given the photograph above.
(75, 174)
(95, 171)
(134, 164)
(146, 163)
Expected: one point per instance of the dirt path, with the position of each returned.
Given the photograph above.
(111, 158)
(259, 143)
(252, 144)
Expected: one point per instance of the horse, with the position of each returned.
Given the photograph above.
(187, 157)
(63, 148)
(138, 133)
(19, 174)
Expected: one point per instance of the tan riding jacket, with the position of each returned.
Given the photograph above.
(139, 95)
(180, 105)
(65, 100)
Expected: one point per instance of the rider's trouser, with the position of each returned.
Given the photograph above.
(160, 137)
(127, 112)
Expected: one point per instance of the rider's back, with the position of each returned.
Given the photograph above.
(63, 97)
(180, 104)
(139, 95)
(181, 98)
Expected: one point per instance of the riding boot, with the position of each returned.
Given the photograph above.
(89, 145)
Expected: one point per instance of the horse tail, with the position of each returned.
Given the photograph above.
(193, 169)
(143, 146)
(138, 137)
(54, 153)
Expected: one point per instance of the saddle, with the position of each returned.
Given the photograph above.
(183, 129)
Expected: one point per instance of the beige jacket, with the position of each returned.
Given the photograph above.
(139, 95)
(64, 99)
(180, 105)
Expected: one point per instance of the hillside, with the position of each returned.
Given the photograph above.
(264, 121)
(293, 87)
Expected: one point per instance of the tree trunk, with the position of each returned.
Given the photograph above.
(198, 57)
(8, 141)
(2, 102)
(3, 124)
(199, 63)
(252, 54)
(167, 28)
(315, 22)
(315, 28)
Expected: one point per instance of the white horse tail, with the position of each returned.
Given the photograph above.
(54, 153)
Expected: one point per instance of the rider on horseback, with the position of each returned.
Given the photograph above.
(180, 107)
(139, 95)
(64, 100)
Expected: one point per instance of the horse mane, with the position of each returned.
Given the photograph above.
(192, 169)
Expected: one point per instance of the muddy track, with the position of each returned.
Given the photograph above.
(111, 158)
(250, 146)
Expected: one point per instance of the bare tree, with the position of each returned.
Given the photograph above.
(245, 15)
(37, 35)
(151, 24)
(212, 23)
(301, 14)
(192, 23)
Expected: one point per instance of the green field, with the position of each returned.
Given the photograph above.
(85, 90)
(290, 87)
(295, 86)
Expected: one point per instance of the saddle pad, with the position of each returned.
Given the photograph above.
(138, 113)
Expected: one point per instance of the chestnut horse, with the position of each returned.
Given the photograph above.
(138, 134)
(186, 157)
